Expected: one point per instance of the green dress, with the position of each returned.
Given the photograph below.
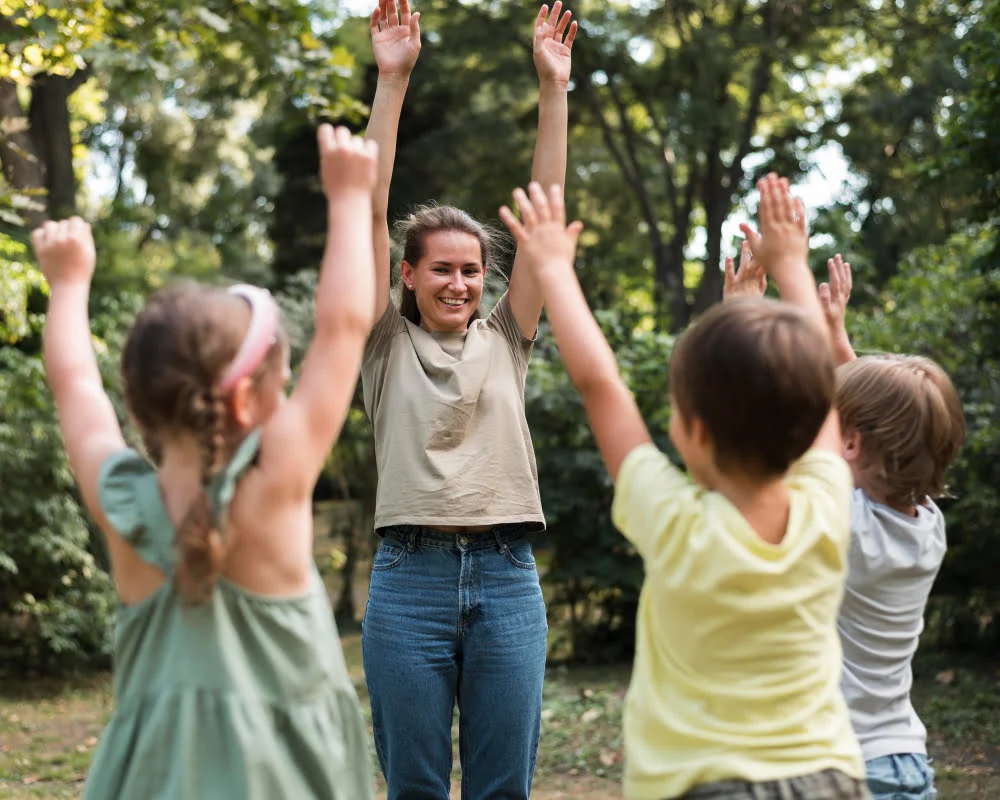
(245, 696)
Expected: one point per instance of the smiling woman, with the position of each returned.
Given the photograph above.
(445, 257)
(455, 611)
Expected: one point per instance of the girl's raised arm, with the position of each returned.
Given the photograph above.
(90, 429)
(396, 44)
(553, 48)
(296, 440)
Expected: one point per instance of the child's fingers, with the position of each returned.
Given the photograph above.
(825, 299)
(325, 137)
(800, 213)
(847, 278)
(391, 15)
(745, 254)
(527, 210)
(751, 236)
(539, 201)
(730, 275)
(376, 16)
(557, 206)
(404, 12)
(513, 223)
(762, 281)
(574, 230)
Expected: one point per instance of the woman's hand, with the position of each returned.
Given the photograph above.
(553, 44)
(395, 38)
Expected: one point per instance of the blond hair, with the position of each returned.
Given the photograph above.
(909, 417)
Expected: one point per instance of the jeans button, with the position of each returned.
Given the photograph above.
(463, 540)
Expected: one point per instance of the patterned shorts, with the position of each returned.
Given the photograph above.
(827, 785)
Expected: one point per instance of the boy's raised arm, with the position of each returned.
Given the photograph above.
(547, 248)
(782, 246)
(834, 296)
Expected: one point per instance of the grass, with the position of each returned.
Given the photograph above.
(48, 730)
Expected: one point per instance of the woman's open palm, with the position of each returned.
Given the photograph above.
(553, 43)
(395, 37)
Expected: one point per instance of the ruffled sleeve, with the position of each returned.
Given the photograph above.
(223, 485)
(130, 498)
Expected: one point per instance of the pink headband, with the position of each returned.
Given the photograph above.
(260, 336)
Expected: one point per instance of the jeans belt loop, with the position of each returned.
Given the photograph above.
(500, 542)
(411, 541)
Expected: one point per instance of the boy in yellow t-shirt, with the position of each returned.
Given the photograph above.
(735, 690)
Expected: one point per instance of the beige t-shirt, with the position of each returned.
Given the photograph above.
(451, 439)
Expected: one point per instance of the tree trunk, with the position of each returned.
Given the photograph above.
(345, 611)
(22, 168)
(50, 131)
(716, 202)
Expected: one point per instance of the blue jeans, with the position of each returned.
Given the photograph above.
(455, 618)
(906, 776)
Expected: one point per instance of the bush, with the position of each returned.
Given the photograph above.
(594, 575)
(56, 603)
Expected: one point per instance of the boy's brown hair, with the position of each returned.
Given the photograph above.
(760, 375)
(910, 420)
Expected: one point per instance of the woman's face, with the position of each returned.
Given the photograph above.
(447, 281)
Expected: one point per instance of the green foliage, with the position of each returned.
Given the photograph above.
(19, 280)
(56, 603)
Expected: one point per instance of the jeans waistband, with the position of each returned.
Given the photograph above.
(413, 536)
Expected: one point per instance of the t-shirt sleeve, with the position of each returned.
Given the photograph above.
(376, 355)
(501, 319)
(826, 479)
(652, 500)
(380, 336)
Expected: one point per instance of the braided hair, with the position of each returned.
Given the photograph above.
(175, 354)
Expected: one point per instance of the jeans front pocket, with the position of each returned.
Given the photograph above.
(519, 553)
(388, 556)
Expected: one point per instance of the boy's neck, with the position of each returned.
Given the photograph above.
(882, 500)
(764, 504)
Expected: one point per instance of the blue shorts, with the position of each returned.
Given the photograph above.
(906, 776)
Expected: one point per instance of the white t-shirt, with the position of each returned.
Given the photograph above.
(892, 564)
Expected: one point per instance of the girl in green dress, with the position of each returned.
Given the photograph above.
(229, 681)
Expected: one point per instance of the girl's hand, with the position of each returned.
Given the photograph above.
(395, 38)
(542, 236)
(347, 163)
(749, 281)
(65, 251)
(833, 296)
(553, 45)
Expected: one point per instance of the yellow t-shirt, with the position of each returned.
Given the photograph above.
(737, 660)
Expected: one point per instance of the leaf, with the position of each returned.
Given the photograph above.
(212, 19)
